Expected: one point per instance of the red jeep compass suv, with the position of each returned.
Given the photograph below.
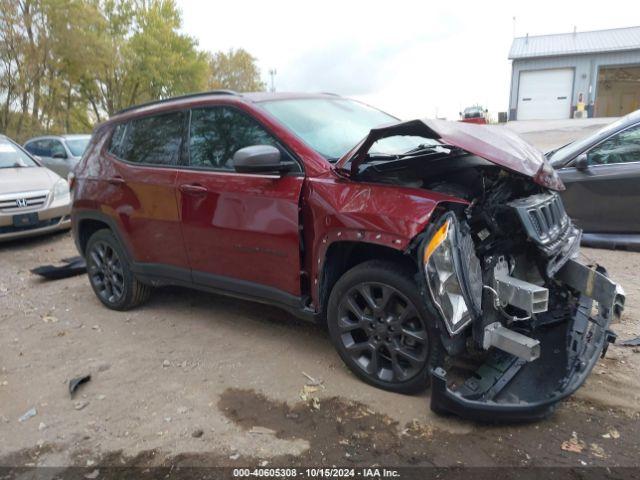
(413, 241)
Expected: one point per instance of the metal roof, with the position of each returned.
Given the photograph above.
(616, 39)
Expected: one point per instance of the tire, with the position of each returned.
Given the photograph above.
(110, 275)
(398, 332)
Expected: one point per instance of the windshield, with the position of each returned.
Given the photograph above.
(332, 126)
(473, 112)
(78, 145)
(12, 156)
(569, 151)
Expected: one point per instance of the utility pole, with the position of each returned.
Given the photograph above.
(272, 73)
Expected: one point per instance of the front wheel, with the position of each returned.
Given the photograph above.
(381, 328)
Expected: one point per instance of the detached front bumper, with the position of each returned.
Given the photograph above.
(508, 389)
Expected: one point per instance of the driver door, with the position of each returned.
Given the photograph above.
(603, 196)
(240, 230)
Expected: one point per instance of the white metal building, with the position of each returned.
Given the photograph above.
(551, 72)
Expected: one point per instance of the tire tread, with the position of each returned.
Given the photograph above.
(137, 292)
(402, 278)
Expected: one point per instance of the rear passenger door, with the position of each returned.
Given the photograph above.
(141, 187)
(241, 230)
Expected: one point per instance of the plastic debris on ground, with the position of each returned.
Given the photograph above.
(71, 267)
(32, 412)
(632, 342)
(74, 383)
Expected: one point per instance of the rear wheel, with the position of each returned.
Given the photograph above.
(109, 274)
(381, 329)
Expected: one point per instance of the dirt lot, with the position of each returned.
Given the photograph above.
(197, 379)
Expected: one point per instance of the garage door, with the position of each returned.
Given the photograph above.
(545, 94)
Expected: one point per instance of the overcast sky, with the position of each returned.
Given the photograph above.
(411, 58)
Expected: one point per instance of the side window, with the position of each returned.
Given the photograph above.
(152, 140)
(115, 146)
(57, 149)
(622, 147)
(42, 148)
(216, 133)
(31, 148)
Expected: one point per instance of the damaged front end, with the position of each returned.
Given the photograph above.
(525, 321)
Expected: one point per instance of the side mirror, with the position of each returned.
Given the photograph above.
(259, 159)
(61, 155)
(582, 162)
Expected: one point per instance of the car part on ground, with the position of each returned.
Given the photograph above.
(74, 383)
(71, 267)
(632, 342)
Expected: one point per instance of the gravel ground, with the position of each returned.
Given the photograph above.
(198, 379)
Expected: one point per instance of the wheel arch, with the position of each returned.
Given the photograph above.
(341, 256)
(86, 224)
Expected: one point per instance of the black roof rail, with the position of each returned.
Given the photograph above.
(180, 97)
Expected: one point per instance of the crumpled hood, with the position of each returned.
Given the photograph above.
(496, 144)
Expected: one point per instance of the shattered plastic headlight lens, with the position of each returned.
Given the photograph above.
(446, 266)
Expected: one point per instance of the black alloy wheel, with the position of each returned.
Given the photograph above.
(381, 331)
(110, 275)
(105, 271)
(380, 328)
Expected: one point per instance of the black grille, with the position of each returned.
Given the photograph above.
(543, 217)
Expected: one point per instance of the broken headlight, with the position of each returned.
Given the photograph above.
(453, 274)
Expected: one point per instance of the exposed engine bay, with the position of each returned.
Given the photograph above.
(510, 240)
(501, 273)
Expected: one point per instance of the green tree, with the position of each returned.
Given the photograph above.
(234, 70)
(144, 57)
(67, 64)
(166, 62)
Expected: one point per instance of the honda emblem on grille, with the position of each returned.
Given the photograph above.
(21, 202)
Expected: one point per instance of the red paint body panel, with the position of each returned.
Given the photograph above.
(336, 209)
(144, 206)
(496, 144)
(244, 226)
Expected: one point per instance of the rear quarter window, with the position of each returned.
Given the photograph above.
(154, 140)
